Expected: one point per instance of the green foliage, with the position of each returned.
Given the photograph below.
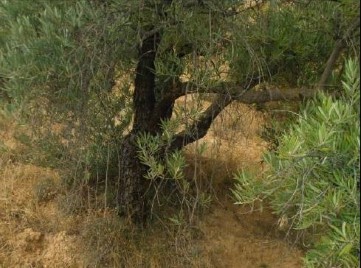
(56, 47)
(283, 43)
(59, 62)
(313, 180)
(162, 164)
(166, 169)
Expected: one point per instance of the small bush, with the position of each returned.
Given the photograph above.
(313, 181)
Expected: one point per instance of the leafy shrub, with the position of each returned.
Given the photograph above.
(313, 181)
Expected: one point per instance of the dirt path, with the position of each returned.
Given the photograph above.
(236, 240)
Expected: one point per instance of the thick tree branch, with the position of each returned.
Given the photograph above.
(228, 90)
(163, 109)
(247, 94)
(177, 89)
(200, 128)
(221, 88)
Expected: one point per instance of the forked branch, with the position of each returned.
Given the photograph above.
(200, 128)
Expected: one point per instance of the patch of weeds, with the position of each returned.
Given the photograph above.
(71, 203)
(105, 242)
(45, 190)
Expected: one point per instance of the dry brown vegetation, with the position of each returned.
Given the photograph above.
(38, 228)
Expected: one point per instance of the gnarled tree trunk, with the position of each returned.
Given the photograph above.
(132, 199)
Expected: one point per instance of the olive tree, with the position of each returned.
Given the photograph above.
(123, 64)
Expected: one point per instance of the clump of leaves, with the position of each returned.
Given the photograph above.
(313, 182)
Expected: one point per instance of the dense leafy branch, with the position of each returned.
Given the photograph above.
(313, 176)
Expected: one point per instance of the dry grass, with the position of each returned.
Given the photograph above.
(35, 233)
(44, 225)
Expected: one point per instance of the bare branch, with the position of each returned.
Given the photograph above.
(247, 94)
(177, 89)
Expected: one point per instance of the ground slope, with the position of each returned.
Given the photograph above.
(35, 232)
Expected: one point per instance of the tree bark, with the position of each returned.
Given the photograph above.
(144, 92)
(132, 199)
